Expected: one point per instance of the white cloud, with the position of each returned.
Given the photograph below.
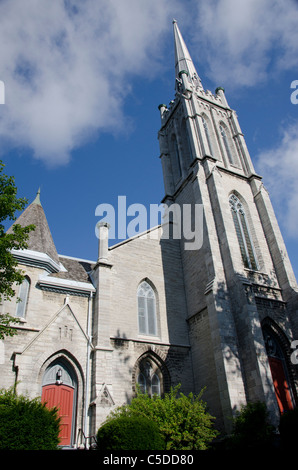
(67, 65)
(279, 167)
(243, 41)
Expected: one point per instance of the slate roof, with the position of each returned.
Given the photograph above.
(77, 270)
(40, 239)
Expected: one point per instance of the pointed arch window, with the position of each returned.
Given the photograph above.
(243, 234)
(226, 144)
(186, 141)
(147, 309)
(207, 134)
(149, 378)
(23, 298)
(177, 156)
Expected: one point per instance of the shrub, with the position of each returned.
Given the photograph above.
(129, 433)
(27, 424)
(251, 427)
(183, 421)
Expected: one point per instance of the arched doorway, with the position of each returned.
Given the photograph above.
(279, 371)
(59, 389)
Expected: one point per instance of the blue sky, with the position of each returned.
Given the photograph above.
(83, 81)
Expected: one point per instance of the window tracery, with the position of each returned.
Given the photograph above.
(243, 234)
(146, 309)
(149, 378)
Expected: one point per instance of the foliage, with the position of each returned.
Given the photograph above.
(27, 424)
(9, 273)
(288, 428)
(129, 433)
(6, 328)
(251, 427)
(183, 420)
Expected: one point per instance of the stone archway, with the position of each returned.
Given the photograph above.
(279, 368)
(59, 389)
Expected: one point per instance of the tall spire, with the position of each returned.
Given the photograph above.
(183, 61)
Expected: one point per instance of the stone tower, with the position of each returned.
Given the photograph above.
(241, 291)
(216, 308)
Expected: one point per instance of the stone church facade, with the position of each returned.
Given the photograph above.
(148, 310)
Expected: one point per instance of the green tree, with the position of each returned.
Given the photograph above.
(17, 239)
(183, 421)
(27, 424)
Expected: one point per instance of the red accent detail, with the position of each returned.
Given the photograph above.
(61, 397)
(281, 385)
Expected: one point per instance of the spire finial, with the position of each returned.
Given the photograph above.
(37, 198)
(183, 60)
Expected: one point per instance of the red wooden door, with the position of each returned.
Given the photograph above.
(281, 385)
(61, 397)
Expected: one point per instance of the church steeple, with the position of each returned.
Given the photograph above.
(184, 65)
(238, 276)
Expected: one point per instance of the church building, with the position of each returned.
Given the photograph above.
(154, 311)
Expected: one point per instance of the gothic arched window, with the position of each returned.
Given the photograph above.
(207, 134)
(23, 298)
(186, 141)
(146, 309)
(149, 378)
(177, 156)
(226, 144)
(243, 235)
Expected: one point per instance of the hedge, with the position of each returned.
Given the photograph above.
(27, 424)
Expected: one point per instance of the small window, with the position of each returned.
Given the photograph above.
(243, 235)
(146, 309)
(23, 297)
